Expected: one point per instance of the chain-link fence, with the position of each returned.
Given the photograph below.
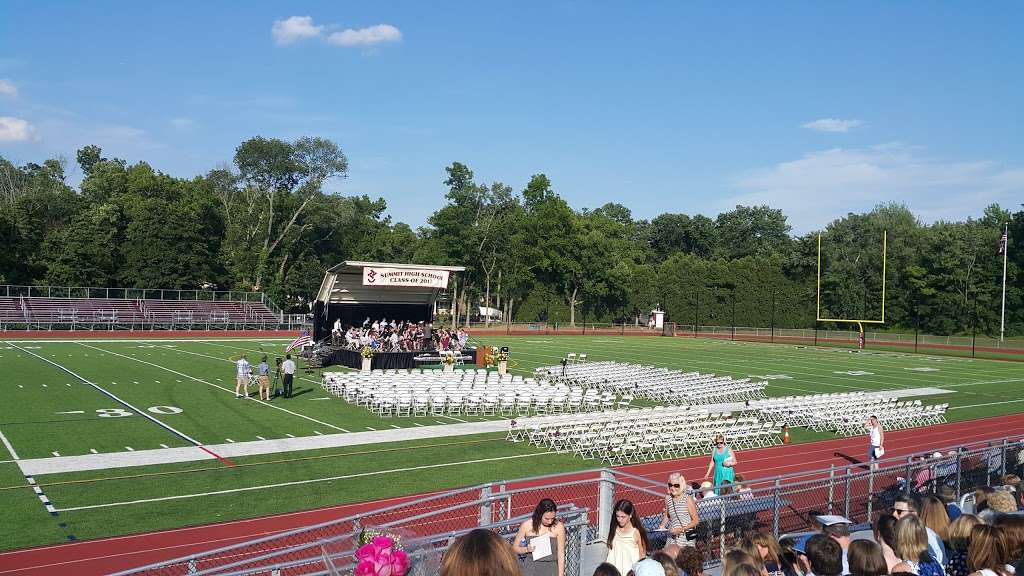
(780, 505)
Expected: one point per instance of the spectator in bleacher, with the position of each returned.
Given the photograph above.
(948, 496)
(1012, 526)
(288, 369)
(748, 546)
(924, 474)
(480, 553)
(999, 502)
(959, 539)
(742, 489)
(885, 536)
(988, 553)
(876, 440)
(838, 528)
(824, 556)
(606, 569)
(909, 505)
(463, 338)
(935, 517)
(647, 567)
(912, 547)
(1012, 481)
(679, 514)
(627, 539)
(866, 559)
(734, 557)
(543, 523)
(690, 562)
(981, 494)
(707, 489)
(668, 563)
(723, 463)
(776, 562)
(263, 373)
(242, 373)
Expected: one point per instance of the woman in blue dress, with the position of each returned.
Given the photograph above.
(723, 462)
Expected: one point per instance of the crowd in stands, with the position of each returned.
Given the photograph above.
(921, 535)
(398, 336)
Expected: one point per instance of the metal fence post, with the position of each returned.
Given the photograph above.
(485, 507)
(721, 526)
(605, 503)
(959, 465)
(1003, 468)
(907, 479)
(871, 491)
(846, 497)
(831, 487)
(776, 504)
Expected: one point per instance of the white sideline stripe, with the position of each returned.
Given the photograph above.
(983, 382)
(183, 375)
(986, 404)
(300, 482)
(10, 449)
(115, 398)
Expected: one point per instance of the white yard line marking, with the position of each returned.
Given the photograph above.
(129, 448)
(290, 435)
(393, 426)
(301, 482)
(986, 404)
(164, 446)
(230, 440)
(110, 395)
(183, 375)
(71, 412)
(55, 453)
(318, 433)
(261, 437)
(93, 450)
(370, 428)
(417, 424)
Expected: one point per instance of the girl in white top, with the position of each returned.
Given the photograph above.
(627, 539)
(877, 437)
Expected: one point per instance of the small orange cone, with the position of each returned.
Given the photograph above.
(785, 434)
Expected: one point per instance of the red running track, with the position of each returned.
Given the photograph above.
(102, 556)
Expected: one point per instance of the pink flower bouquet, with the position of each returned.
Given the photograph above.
(381, 556)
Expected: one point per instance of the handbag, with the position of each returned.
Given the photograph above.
(879, 452)
(691, 534)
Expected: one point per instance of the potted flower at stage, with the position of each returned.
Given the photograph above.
(367, 354)
(448, 361)
(502, 358)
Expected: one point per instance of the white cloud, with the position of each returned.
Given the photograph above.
(16, 130)
(7, 88)
(833, 125)
(294, 29)
(368, 36)
(825, 185)
(180, 122)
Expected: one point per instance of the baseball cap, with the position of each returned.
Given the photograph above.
(648, 567)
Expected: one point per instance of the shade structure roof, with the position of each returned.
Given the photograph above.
(343, 284)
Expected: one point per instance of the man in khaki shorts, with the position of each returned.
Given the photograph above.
(242, 373)
(263, 372)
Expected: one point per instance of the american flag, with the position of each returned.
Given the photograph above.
(302, 340)
(1002, 244)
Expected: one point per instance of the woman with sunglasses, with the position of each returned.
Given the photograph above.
(723, 462)
(679, 515)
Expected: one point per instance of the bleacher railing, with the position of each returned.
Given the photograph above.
(782, 504)
(142, 318)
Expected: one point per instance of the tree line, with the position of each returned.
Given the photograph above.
(265, 223)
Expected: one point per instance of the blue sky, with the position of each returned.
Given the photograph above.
(818, 108)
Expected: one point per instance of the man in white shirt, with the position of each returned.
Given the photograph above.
(288, 369)
(242, 373)
(876, 438)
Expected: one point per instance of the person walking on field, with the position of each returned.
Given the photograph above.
(242, 374)
(263, 372)
(288, 369)
(876, 436)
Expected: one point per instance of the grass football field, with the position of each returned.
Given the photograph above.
(104, 396)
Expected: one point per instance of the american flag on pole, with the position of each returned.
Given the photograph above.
(1002, 244)
(302, 340)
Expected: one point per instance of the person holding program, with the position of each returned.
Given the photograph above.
(542, 524)
(876, 438)
(723, 462)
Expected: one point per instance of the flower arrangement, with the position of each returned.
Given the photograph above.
(366, 352)
(448, 359)
(501, 357)
(380, 554)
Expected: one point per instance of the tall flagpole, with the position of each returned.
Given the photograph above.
(1006, 251)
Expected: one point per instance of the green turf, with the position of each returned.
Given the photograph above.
(197, 377)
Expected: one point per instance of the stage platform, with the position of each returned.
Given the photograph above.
(393, 360)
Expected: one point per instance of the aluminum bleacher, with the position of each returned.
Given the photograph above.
(48, 308)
